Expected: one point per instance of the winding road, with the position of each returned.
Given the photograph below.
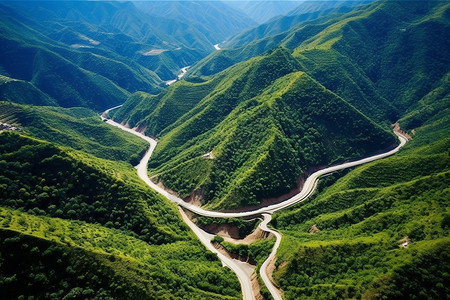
(263, 271)
(308, 188)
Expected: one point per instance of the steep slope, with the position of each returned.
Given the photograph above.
(54, 79)
(304, 11)
(58, 206)
(21, 91)
(265, 125)
(263, 145)
(380, 67)
(401, 55)
(309, 19)
(154, 113)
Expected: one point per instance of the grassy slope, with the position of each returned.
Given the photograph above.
(155, 113)
(78, 128)
(71, 204)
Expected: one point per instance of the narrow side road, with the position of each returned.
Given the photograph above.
(263, 270)
(234, 265)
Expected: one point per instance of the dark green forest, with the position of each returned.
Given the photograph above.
(59, 205)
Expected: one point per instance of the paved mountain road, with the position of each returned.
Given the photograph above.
(308, 188)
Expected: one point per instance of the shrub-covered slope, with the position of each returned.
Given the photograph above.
(379, 232)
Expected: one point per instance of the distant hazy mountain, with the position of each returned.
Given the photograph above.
(94, 53)
(214, 19)
(262, 11)
(304, 11)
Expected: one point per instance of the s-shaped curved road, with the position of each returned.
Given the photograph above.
(308, 188)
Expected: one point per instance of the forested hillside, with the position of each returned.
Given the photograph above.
(264, 123)
(58, 205)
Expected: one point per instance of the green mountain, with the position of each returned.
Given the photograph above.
(265, 124)
(303, 11)
(73, 225)
(246, 125)
(213, 113)
(400, 57)
(307, 20)
(382, 68)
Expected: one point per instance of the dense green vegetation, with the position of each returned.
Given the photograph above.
(64, 257)
(42, 179)
(300, 15)
(58, 205)
(155, 113)
(382, 68)
(244, 227)
(265, 125)
(307, 20)
(304, 91)
(54, 266)
(385, 59)
(255, 253)
(78, 128)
